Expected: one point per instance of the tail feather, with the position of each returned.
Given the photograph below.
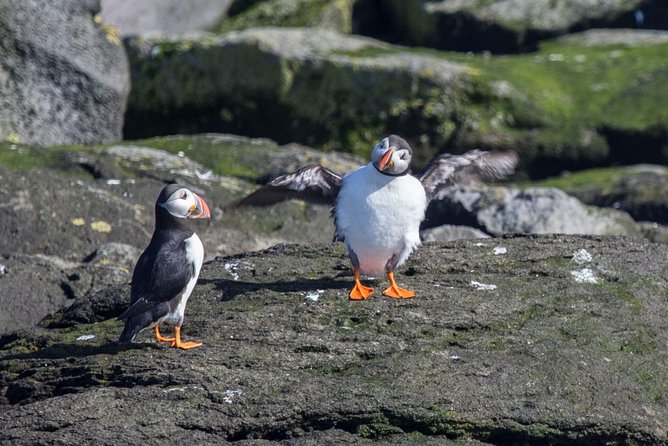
(131, 330)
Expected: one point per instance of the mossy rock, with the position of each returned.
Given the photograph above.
(550, 355)
(499, 26)
(344, 93)
(327, 14)
(640, 190)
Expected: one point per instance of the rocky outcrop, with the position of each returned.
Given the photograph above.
(34, 286)
(570, 105)
(640, 190)
(503, 26)
(336, 15)
(64, 76)
(298, 85)
(79, 218)
(525, 211)
(532, 340)
(79, 198)
(170, 16)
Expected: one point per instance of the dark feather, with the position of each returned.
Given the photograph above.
(476, 165)
(159, 276)
(314, 184)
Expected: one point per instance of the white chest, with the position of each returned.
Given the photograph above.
(379, 216)
(194, 256)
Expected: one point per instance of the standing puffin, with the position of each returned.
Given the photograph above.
(167, 270)
(378, 208)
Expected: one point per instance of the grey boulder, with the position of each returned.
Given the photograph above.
(503, 210)
(64, 77)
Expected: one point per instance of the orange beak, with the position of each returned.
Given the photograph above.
(385, 159)
(201, 210)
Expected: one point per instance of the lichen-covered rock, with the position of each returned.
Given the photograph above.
(532, 340)
(69, 201)
(302, 85)
(526, 211)
(64, 77)
(171, 16)
(335, 15)
(640, 190)
(567, 106)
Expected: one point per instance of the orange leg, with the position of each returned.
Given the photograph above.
(160, 338)
(395, 290)
(359, 292)
(181, 344)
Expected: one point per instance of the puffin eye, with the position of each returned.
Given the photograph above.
(184, 195)
(404, 156)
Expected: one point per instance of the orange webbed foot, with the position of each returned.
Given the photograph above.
(359, 291)
(184, 345)
(395, 291)
(161, 338)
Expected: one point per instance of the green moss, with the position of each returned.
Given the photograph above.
(287, 13)
(102, 331)
(229, 157)
(599, 179)
(22, 157)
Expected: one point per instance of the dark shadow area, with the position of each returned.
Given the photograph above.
(62, 350)
(232, 288)
(633, 147)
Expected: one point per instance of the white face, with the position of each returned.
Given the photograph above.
(398, 162)
(181, 203)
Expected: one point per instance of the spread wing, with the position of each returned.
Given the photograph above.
(157, 280)
(314, 184)
(476, 165)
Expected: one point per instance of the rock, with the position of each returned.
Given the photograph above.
(641, 190)
(170, 16)
(80, 217)
(504, 26)
(23, 305)
(621, 37)
(292, 85)
(64, 76)
(76, 199)
(336, 15)
(654, 232)
(343, 93)
(34, 286)
(530, 211)
(120, 255)
(448, 233)
(546, 357)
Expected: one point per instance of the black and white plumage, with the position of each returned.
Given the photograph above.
(167, 270)
(378, 208)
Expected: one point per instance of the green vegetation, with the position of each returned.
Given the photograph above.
(231, 157)
(25, 157)
(290, 13)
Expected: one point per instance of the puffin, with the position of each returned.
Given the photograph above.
(167, 271)
(378, 208)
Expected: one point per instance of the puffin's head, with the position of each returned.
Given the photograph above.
(392, 156)
(182, 203)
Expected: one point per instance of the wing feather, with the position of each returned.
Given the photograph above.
(314, 184)
(157, 280)
(476, 165)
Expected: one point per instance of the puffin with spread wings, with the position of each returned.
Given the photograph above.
(378, 208)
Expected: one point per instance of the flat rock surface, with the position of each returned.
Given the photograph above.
(531, 340)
